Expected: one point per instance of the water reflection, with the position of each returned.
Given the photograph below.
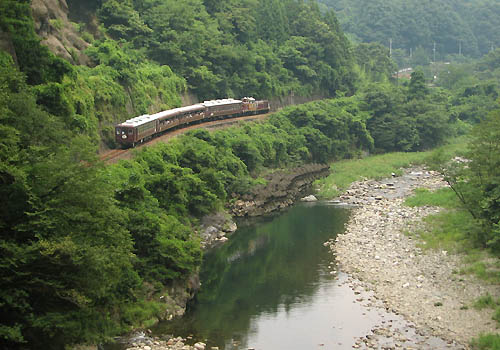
(270, 275)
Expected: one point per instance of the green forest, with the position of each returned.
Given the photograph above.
(86, 249)
(462, 27)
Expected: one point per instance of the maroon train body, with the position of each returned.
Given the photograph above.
(144, 127)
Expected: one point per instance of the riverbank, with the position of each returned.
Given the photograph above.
(421, 285)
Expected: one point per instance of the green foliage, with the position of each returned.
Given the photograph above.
(68, 263)
(375, 62)
(417, 88)
(240, 47)
(66, 257)
(485, 176)
(471, 24)
(406, 120)
(486, 342)
(475, 181)
(34, 59)
(443, 197)
(455, 76)
(472, 103)
(74, 259)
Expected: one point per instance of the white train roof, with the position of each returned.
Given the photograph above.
(146, 118)
(143, 119)
(225, 101)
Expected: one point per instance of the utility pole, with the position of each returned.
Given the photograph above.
(390, 47)
(460, 48)
(411, 53)
(434, 50)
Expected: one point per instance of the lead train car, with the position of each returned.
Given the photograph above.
(144, 127)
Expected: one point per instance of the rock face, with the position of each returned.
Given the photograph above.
(421, 285)
(58, 33)
(281, 190)
(214, 228)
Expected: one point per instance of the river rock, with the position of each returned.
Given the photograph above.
(310, 198)
(231, 227)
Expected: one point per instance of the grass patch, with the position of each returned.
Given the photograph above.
(486, 342)
(345, 172)
(448, 230)
(443, 197)
(481, 264)
(486, 301)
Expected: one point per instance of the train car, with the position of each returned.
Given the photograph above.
(263, 106)
(250, 106)
(135, 130)
(222, 108)
(178, 116)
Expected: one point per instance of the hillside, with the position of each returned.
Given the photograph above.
(469, 27)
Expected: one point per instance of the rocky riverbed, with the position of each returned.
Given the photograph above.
(421, 285)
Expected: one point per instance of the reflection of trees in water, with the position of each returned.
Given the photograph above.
(261, 268)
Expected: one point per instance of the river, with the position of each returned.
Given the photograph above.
(274, 285)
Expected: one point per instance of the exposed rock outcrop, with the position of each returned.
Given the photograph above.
(57, 31)
(281, 190)
(214, 228)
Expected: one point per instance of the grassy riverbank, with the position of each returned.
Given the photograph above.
(345, 172)
(454, 230)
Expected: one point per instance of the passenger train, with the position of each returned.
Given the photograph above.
(145, 127)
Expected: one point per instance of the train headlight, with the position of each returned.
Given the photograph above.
(124, 136)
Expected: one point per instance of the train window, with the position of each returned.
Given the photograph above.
(130, 131)
(118, 131)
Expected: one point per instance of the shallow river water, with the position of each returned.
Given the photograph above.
(273, 285)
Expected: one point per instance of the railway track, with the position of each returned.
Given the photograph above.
(112, 156)
(109, 156)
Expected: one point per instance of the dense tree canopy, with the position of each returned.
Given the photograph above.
(469, 27)
(238, 47)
